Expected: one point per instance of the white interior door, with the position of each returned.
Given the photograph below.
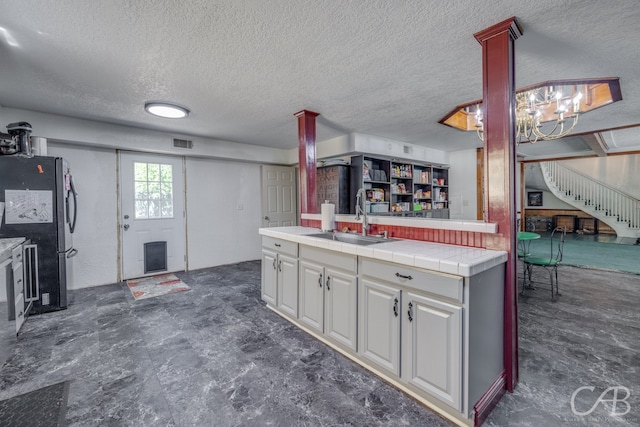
(152, 210)
(279, 196)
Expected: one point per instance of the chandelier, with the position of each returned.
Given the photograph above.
(545, 111)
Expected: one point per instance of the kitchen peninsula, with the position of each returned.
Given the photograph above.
(426, 317)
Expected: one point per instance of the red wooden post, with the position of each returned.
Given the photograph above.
(307, 161)
(498, 102)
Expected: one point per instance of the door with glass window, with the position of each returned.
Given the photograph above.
(152, 214)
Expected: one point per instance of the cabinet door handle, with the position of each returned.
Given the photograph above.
(402, 276)
(279, 265)
(395, 307)
(328, 280)
(274, 263)
(320, 280)
(277, 245)
(410, 312)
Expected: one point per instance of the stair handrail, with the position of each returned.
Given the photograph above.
(596, 181)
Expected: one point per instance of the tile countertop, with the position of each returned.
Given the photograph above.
(459, 260)
(7, 245)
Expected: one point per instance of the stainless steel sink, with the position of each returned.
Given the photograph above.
(356, 239)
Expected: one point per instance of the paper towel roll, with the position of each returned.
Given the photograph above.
(328, 213)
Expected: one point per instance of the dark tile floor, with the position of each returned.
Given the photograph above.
(216, 356)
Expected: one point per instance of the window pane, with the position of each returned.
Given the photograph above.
(166, 173)
(140, 171)
(167, 209)
(154, 209)
(141, 209)
(166, 190)
(154, 172)
(141, 191)
(154, 190)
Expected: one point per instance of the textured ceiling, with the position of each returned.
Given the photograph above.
(387, 68)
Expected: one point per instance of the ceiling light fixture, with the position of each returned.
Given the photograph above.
(166, 110)
(543, 110)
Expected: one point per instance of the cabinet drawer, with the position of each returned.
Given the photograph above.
(17, 254)
(279, 245)
(18, 280)
(19, 307)
(441, 284)
(330, 259)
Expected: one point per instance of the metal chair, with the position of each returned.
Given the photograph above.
(551, 262)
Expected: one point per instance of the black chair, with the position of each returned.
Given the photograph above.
(551, 262)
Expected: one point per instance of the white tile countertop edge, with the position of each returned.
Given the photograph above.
(8, 244)
(438, 224)
(458, 260)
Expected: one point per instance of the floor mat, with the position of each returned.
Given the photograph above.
(45, 407)
(149, 287)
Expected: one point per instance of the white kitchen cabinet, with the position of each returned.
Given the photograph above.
(312, 295)
(287, 299)
(432, 347)
(379, 324)
(328, 294)
(280, 274)
(445, 345)
(341, 307)
(269, 276)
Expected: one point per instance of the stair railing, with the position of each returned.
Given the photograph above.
(595, 194)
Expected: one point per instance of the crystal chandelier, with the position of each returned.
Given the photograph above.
(544, 111)
(546, 105)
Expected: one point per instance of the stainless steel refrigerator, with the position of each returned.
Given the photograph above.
(40, 205)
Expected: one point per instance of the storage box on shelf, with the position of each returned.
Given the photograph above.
(401, 188)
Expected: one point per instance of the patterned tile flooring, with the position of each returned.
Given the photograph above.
(216, 356)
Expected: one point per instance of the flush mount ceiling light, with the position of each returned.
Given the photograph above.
(166, 110)
(542, 110)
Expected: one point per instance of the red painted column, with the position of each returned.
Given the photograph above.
(307, 161)
(498, 102)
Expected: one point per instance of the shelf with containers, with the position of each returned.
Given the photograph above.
(400, 187)
(372, 174)
(440, 188)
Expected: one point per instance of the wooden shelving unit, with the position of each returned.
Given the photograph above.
(400, 187)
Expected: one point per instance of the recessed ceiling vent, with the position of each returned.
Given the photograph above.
(408, 149)
(182, 143)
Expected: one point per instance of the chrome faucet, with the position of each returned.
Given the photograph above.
(360, 202)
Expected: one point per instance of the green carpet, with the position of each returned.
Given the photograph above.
(592, 252)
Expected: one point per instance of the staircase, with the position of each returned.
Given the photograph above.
(618, 210)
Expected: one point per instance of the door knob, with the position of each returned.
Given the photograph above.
(126, 227)
(266, 218)
(126, 217)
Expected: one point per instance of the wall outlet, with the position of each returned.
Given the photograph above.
(45, 299)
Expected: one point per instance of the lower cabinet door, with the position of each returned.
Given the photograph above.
(379, 325)
(19, 307)
(269, 277)
(340, 320)
(432, 347)
(312, 295)
(288, 285)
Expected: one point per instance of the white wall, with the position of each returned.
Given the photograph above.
(620, 172)
(462, 184)
(97, 134)
(218, 231)
(549, 201)
(96, 238)
(223, 212)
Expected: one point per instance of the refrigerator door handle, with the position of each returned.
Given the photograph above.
(71, 253)
(72, 223)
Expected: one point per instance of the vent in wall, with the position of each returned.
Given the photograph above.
(407, 149)
(182, 143)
